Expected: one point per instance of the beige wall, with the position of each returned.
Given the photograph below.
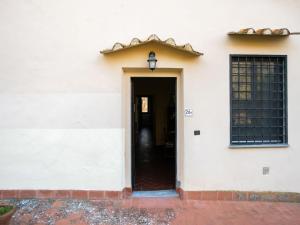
(61, 103)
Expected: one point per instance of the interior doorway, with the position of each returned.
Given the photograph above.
(153, 133)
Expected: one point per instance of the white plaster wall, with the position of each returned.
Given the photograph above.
(61, 159)
(60, 141)
(60, 101)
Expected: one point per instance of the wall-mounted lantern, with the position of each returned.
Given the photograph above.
(152, 61)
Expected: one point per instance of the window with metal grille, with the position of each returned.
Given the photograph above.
(258, 99)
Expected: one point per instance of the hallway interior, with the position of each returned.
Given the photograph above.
(154, 165)
(154, 134)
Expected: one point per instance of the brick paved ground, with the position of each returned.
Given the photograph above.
(155, 211)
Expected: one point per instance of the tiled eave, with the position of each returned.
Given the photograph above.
(281, 32)
(170, 42)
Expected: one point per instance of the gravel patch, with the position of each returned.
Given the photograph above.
(48, 211)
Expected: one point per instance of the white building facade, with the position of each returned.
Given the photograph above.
(66, 109)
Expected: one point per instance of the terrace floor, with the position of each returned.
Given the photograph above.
(153, 211)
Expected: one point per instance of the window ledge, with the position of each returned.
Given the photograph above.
(260, 146)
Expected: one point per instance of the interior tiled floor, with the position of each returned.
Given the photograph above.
(155, 166)
(151, 211)
(157, 178)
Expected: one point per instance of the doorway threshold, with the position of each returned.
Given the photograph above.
(155, 194)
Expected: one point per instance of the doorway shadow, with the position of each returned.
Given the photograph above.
(154, 132)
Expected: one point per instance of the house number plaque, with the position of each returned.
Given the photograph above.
(188, 112)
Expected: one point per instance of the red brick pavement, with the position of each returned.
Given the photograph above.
(155, 211)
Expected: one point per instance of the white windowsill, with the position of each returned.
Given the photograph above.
(260, 146)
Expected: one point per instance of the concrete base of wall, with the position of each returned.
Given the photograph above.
(127, 192)
(239, 196)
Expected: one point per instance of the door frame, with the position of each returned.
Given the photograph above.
(126, 112)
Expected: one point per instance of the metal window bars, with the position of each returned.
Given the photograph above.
(258, 95)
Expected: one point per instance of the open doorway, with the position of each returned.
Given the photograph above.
(153, 133)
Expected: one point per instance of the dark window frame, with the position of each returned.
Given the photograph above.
(263, 143)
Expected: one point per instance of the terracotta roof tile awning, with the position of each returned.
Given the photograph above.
(170, 42)
(264, 32)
